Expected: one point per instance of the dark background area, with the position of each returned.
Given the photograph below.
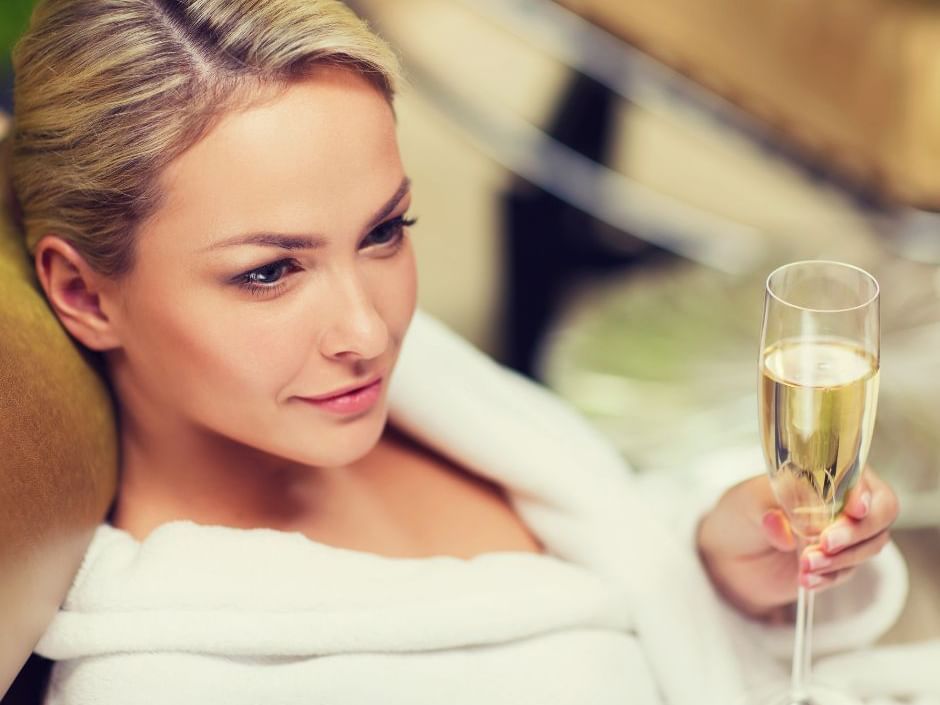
(14, 16)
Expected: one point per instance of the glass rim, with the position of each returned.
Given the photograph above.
(868, 302)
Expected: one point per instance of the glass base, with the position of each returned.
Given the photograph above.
(779, 694)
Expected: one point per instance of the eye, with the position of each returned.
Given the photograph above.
(266, 279)
(390, 234)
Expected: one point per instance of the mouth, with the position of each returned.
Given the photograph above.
(351, 400)
(344, 391)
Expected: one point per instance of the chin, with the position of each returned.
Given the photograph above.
(346, 445)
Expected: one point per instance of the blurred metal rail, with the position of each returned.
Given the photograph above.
(653, 86)
(625, 70)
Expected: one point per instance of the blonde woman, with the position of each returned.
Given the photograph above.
(326, 496)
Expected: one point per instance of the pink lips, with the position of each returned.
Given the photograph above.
(350, 402)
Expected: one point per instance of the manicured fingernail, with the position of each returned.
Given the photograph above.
(837, 538)
(816, 560)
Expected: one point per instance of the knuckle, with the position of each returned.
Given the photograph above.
(892, 506)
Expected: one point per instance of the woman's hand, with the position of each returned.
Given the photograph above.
(748, 548)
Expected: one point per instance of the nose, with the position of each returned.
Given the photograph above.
(356, 330)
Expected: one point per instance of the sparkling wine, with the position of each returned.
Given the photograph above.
(817, 414)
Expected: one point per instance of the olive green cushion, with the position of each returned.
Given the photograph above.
(58, 455)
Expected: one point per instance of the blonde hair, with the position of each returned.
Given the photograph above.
(108, 92)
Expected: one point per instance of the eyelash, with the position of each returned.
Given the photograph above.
(396, 227)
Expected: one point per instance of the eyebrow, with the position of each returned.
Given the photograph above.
(308, 242)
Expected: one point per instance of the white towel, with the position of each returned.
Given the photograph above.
(618, 611)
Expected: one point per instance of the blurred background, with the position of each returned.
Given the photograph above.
(603, 186)
(14, 16)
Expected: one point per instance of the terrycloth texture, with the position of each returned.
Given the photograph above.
(618, 611)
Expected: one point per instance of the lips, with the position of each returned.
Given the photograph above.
(352, 401)
(344, 391)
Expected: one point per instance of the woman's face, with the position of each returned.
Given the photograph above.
(278, 267)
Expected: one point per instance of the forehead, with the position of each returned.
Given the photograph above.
(312, 155)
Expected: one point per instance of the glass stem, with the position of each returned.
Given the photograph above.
(802, 642)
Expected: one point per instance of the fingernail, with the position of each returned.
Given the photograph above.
(837, 538)
(816, 560)
(769, 520)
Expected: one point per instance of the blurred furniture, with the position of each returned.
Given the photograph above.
(920, 619)
(850, 83)
(58, 466)
(617, 158)
(552, 126)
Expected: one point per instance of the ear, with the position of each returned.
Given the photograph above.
(77, 294)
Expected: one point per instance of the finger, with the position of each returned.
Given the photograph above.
(818, 583)
(846, 532)
(735, 525)
(858, 499)
(777, 530)
(814, 560)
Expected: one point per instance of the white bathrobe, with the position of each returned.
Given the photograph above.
(618, 611)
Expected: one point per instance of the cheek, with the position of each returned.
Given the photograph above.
(395, 292)
(246, 348)
(201, 349)
(204, 350)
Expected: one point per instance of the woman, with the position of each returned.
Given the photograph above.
(214, 200)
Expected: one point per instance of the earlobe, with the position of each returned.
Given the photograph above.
(74, 292)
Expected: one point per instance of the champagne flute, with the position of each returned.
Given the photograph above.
(819, 364)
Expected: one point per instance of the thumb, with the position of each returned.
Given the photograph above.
(747, 521)
(777, 530)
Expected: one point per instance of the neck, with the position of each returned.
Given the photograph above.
(174, 470)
